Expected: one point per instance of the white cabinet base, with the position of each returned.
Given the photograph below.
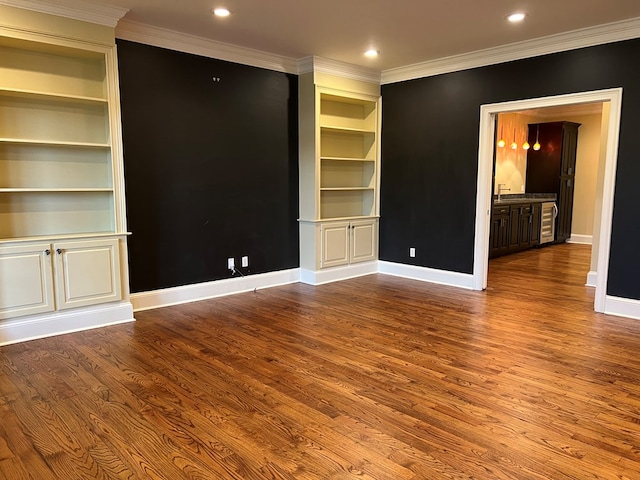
(335, 274)
(33, 327)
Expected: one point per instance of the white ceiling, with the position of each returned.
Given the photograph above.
(405, 31)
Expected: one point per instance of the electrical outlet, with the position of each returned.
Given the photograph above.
(412, 252)
(231, 264)
(245, 261)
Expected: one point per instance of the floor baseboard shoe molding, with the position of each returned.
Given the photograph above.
(336, 274)
(622, 307)
(218, 288)
(425, 274)
(22, 329)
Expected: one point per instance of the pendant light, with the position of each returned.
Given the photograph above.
(536, 146)
(514, 144)
(525, 145)
(501, 142)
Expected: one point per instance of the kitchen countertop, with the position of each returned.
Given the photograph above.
(524, 198)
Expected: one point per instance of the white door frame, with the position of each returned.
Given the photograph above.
(488, 115)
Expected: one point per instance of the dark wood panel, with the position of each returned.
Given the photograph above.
(376, 378)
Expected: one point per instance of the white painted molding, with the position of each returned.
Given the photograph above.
(218, 288)
(586, 37)
(340, 69)
(181, 42)
(592, 278)
(622, 307)
(488, 114)
(583, 239)
(335, 274)
(22, 329)
(431, 275)
(107, 15)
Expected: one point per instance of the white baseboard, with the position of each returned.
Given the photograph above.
(22, 329)
(217, 288)
(442, 277)
(592, 277)
(622, 307)
(328, 275)
(584, 239)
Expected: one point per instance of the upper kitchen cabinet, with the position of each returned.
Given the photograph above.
(61, 180)
(339, 169)
(552, 168)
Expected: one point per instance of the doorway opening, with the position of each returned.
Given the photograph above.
(488, 116)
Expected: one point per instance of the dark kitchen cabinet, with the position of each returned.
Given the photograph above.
(536, 223)
(520, 227)
(514, 228)
(499, 237)
(552, 169)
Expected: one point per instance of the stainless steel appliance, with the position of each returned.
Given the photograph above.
(548, 222)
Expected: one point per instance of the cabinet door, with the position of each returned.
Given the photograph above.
(525, 226)
(514, 228)
(364, 240)
(536, 220)
(26, 282)
(87, 272)
(335, 244)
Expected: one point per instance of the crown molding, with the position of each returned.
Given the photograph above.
(106, 15)
(586, 37)
(160, 37)
(341, 69)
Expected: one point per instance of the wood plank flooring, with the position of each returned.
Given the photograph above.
(372, 378)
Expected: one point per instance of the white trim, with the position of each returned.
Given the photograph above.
(182, 42)
(107, 15)
(22, 329)
(337, 68)
(583, 239)
(217, 288)
(335, 274)
(585, 37)
(622, 307)
(592, 278)
(413, 272)
(485, 166)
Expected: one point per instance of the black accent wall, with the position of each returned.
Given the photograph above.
(430, 152)
(211, 166)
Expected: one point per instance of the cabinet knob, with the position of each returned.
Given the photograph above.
(59, 250)
(47, 252)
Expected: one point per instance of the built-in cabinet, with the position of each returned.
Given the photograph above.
(339, 172)
(62, 226)
(552, 168)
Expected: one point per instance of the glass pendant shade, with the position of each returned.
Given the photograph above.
(514, 144)
(536, 146)
(525, 146)
(501, 143)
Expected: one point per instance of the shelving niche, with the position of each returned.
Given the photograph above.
(63, 248)
(56, 172)
(339, 177)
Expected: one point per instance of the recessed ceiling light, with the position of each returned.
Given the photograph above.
(516, 17)
(372, 53)
(221, 12)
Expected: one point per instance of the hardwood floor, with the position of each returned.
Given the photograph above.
(372, 378)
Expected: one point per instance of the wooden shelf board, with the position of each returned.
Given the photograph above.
(54, 190)
(54, 143)
(13, 92)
